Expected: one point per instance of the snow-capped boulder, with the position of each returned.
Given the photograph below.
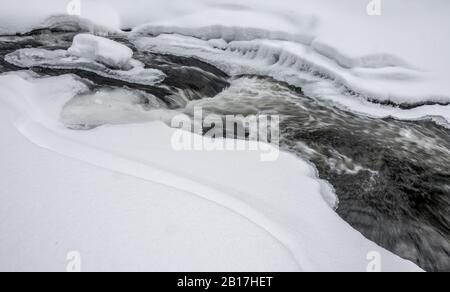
(105, 51)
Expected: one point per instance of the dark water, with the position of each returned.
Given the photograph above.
(392, 177)
(187, 79)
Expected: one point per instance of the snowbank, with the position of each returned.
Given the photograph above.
(115, 222)
(108, 52)
(382, 78)
(302, 222)
(392, 57)
(296, 64)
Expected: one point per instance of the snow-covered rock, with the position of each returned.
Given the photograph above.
(103, 50)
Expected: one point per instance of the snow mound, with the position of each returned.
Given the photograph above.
(23, 15)
(217, 26)
(72, 23)
(103, 50)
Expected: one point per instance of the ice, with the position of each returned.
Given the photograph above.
(102, 50)
(294, 63)
(118, 106)
(392, 83)
(61, 59)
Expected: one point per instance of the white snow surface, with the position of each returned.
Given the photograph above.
(103, 50)
(124, 199)
(400, 56)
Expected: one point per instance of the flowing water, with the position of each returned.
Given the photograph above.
(392, 177)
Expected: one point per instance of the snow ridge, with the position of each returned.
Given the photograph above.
(356, 89)
(241, 33)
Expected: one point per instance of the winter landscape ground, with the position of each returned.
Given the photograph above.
(106, 165)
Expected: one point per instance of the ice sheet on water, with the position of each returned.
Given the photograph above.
(108, 106)
(61, 59)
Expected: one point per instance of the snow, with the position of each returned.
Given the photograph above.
(400, 56)
(282, 219)
(115, 221)
(272, 58)
(103, 50)
(126, 200)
